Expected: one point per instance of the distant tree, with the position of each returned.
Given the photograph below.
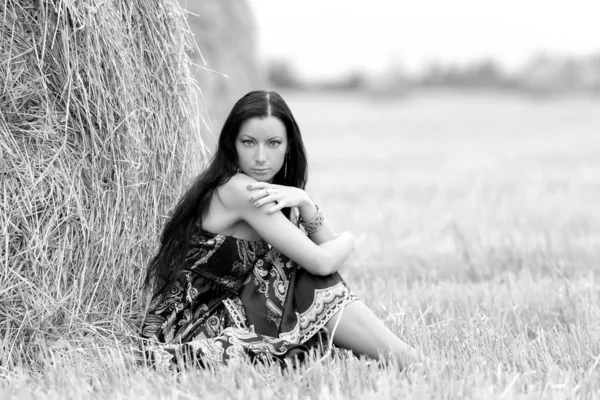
(555, 74)
(487, 73)
(484, 74)
(354, 80)
(592, 73)
(434, 74)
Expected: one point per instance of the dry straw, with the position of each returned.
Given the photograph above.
(98, 135)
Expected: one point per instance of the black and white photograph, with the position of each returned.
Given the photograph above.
(318, 199)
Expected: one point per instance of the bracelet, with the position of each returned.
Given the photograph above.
(315, 223)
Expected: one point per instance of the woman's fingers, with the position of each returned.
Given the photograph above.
(268, 198)
(257, 193)
(256, 185)
(259, 185)
(289, 196)
(279, 205)
(276, 208)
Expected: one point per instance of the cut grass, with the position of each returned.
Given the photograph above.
(491, 272)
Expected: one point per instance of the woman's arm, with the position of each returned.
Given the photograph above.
(288, 196)
(277, 230)
(308, 211)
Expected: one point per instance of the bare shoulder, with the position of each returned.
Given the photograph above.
(233, 193)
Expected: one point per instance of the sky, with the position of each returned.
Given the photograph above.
(325, 38)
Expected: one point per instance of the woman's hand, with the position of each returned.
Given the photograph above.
(284, 196)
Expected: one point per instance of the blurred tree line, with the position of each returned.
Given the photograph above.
(543, 75)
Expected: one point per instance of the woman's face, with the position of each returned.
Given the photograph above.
(261, 145)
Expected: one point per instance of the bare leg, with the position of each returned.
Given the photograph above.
(362, 332)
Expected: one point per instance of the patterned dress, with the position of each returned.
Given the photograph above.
(236, 298)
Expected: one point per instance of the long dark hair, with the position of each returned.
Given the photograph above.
(194, 203)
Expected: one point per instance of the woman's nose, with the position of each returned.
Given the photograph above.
(261, 156)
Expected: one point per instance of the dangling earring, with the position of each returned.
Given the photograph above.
(287, 157)
(238, 169)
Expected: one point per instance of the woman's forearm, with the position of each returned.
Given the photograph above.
(337, 251)
(326, 232)
(336, 247)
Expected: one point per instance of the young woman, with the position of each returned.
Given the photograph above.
(247, 265)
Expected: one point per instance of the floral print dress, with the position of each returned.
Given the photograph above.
(235, 299)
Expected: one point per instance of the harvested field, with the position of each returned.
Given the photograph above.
(480, 245)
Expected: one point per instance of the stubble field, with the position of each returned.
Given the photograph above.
(479, 230)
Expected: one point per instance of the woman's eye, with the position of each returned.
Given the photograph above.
(248, 142)
(274, 143)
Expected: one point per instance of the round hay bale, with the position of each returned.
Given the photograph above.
(99, 134)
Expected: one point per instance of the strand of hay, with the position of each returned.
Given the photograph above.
(99, 133)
